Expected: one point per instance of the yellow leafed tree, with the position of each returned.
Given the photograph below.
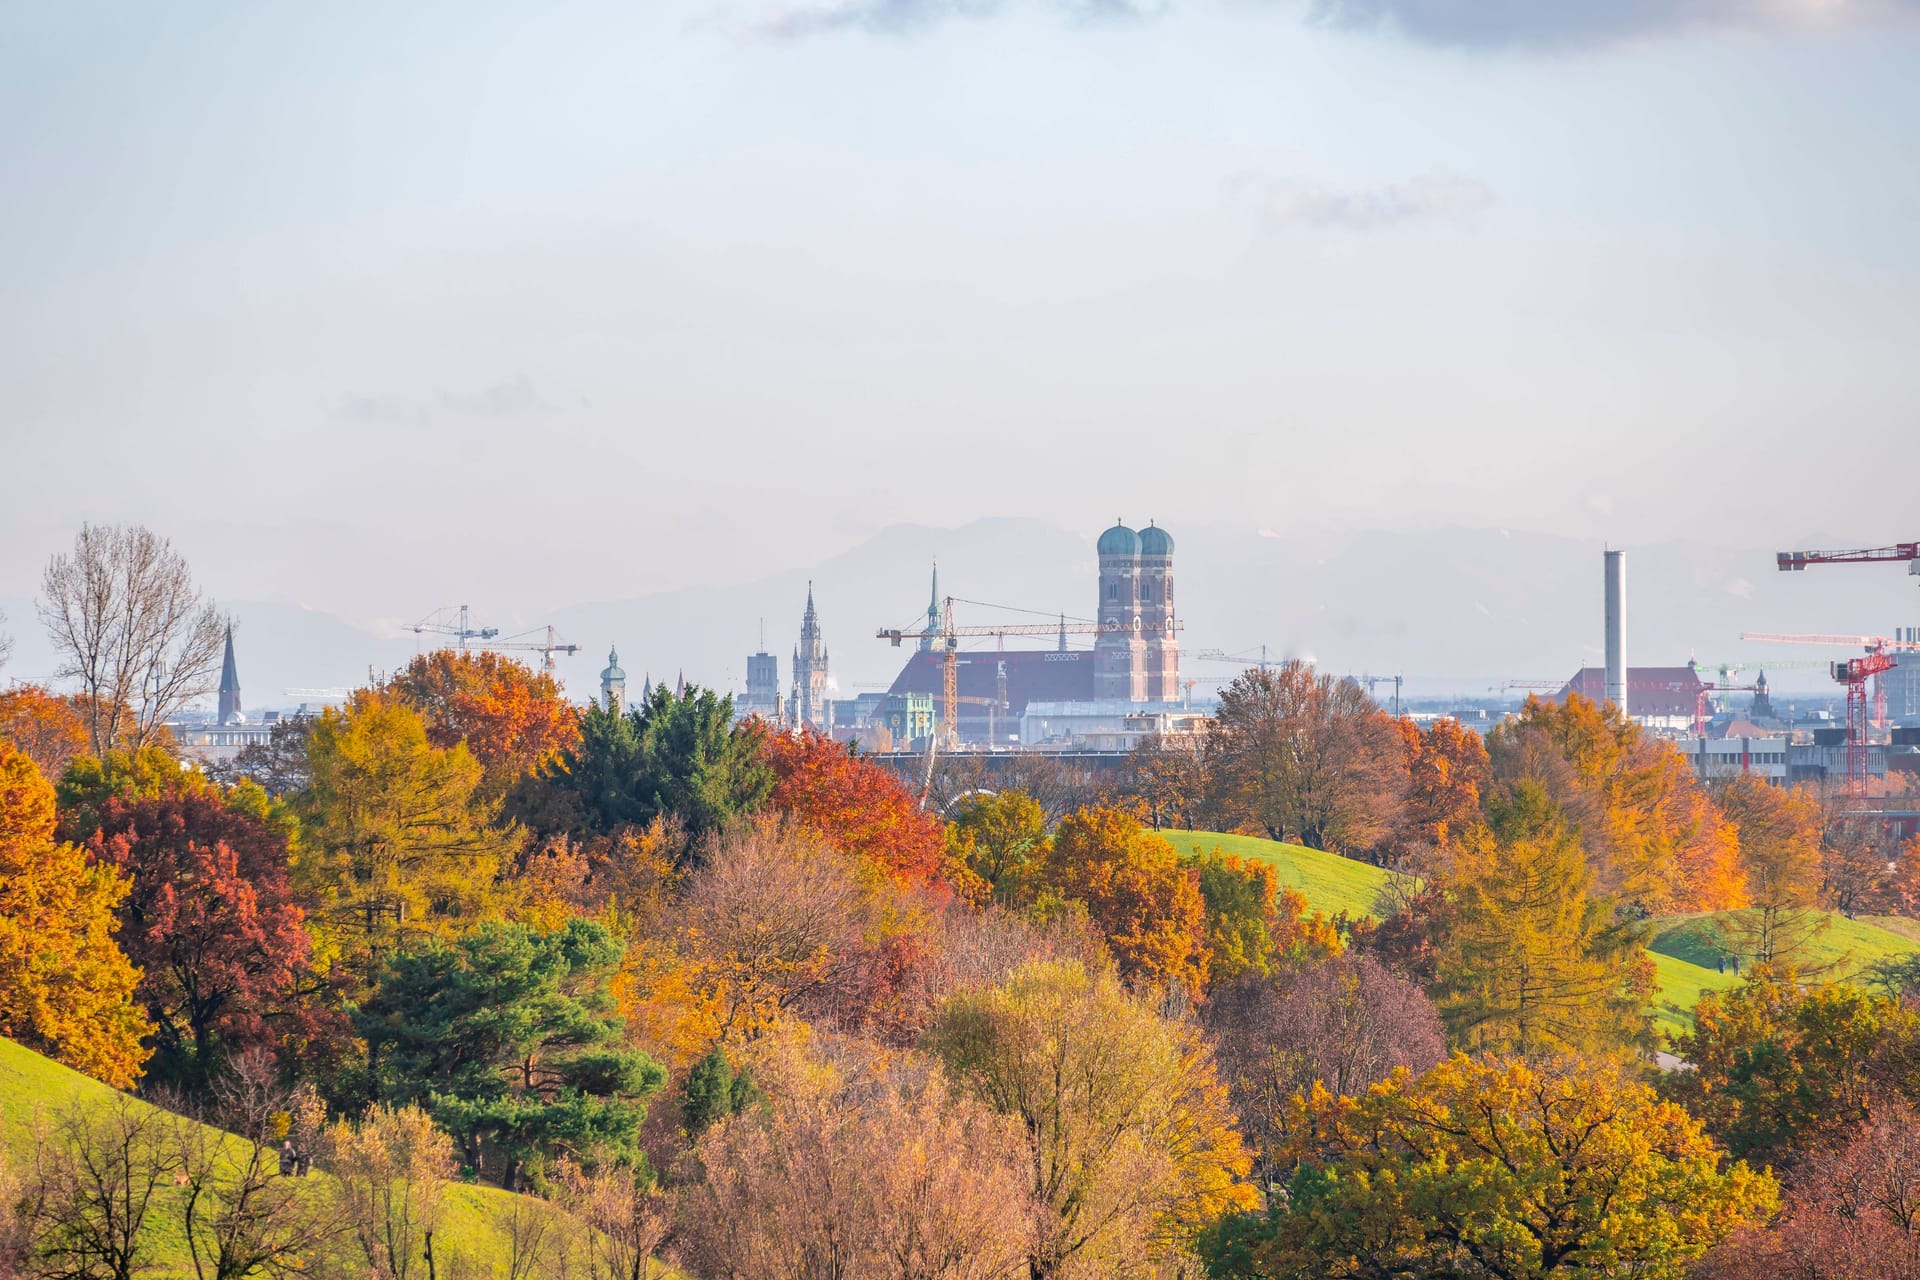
(66, 988)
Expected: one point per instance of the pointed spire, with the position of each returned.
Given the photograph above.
(229, 683)
(680, 684)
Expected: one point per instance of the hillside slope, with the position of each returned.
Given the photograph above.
(1686, 949)
(474, 1235)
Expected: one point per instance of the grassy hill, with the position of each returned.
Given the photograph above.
(474, 1235)
(1329, 882)
(1686, 949)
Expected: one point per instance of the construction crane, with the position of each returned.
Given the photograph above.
(437, 623)
(1241, 659)
(949, 635)
(1794, 561)
(1853, 674)
(546, 650)
(1371, 681)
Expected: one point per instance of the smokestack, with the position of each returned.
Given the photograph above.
(1617, 629)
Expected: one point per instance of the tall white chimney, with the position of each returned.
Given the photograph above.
(1617, 629)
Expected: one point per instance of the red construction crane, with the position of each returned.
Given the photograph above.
(1854, 674)
(1793, 561)
(1700, 702)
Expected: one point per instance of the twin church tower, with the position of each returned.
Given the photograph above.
(1137, 655)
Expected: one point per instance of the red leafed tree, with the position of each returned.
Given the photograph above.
(212, 923)
(1448, 772)
(854, 803)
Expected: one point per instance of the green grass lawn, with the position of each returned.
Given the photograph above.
(473, 1237)
(1685, 949)
(1329, 882)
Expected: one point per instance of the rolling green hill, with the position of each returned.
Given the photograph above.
(474, 1234)
(1686, 949)
(1329, 882)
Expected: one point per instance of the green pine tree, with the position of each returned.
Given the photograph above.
(509, 1038)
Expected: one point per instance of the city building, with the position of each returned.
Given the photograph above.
(807, 704)
(762, 697)
(1135, 659)
(613, 684)
(1657, 697)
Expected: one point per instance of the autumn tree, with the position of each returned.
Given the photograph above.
(512, 718)
(1307, 757)
(1169, 775)
(44, 726)
(226, 963)
(1779, 830)
(397, 844)
(996, 844)
(89, 783)
(1532, 962)
(774, 921)
(1650, 833)
(391, 1171)
(278, 765)
(1776, 1070)
(1146, 904)
(1853, 1214)
(1345, 1022)
(1133, 1145)
(1254, 924)
(66, 988)
(1859, 865)
(510, 1040)
(862, 1176)
(132, 629)
(858, 806)
(679, 754)
(1448, 774)
(626, 1216)
(1505, 1170)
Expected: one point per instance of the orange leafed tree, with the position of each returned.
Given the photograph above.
(1448, 774)
(511, 717)
(1650, 831)
(858, 806)
(44, 726)
(66, 988)
(1136, 891)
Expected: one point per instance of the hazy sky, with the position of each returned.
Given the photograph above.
(381, 306)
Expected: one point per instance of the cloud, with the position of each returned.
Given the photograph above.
(904, 17)
(1544, 24)
(508, 400)
(1284, 202)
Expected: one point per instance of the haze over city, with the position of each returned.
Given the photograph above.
(374, 310)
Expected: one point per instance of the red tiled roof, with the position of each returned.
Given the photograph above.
(1032, 676)
(1651, 691)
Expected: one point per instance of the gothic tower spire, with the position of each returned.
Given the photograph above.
(229, 684)
(933, 611)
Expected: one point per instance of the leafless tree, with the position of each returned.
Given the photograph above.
(279, 764)
(6, 642)
(1344, 1023)
(18, 1214)
(392, 1171)
(130, 626)
(625, 1218)
(245, 1214)
(100, 1172)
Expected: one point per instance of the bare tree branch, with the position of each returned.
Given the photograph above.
(131, 628)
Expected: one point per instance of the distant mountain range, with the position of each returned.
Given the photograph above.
(1455, 611)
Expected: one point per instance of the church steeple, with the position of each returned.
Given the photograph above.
(933, 611)
(229, 684)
